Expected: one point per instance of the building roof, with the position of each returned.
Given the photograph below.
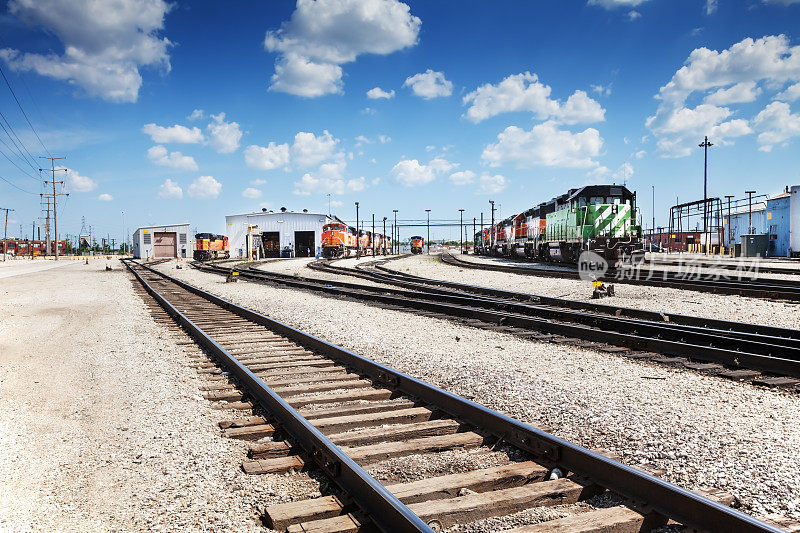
(287, 212)
(159, 226)
(779, 196)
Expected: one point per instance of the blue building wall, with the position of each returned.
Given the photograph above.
(777, 226)
(772, 218)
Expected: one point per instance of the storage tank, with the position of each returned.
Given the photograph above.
(794, 221)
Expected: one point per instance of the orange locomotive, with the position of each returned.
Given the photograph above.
(340, 240)
(210, 246)
(417, 243)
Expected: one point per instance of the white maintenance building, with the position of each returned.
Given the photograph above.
(276, 233)
(171, 241)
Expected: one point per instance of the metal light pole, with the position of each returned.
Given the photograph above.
(429, 231)
(730, 228)
(704, 145)
(384, 235)
(474, 220)
(654, 218)
(461, 231)
(482, 250)
(373, 235)
(5, 235)
(358, 236)
(750, 228)
(491, 229)
(397, 230)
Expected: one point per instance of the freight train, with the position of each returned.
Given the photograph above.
(341, 240)
(417, 243)
(211, 246)
(599, 218)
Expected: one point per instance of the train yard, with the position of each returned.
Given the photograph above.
(609, 397)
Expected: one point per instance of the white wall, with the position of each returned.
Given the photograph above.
(143, 251)
(284, 223)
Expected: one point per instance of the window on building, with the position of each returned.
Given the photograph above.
(182, 238)
(146, 239)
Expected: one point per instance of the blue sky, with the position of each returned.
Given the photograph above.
(191, 111)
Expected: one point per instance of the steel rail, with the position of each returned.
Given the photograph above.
(390, 276)
(382, 507)
(665, 498)
(469, 308)
(752, 287)
(724, 266)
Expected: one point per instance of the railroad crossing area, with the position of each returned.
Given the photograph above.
(442, 392)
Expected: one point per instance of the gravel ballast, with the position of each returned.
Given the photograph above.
(700, 429)
(666, 300)
(102, 425)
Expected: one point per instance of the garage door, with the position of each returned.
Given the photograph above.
(165, 244)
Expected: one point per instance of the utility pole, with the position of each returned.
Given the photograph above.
(5, 234)
(750, 228)
(358, 236)
(373, 235)
(654, 218)
(473, 235)
(397, 229)
(491, 229)
(461, 231)
(429, 231)
(473, 246)
(53, 169)
(329, 204)
(704, 145)
(730, 228)
(384, 235)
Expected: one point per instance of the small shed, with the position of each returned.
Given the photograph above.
(276, 233)
(168, 241)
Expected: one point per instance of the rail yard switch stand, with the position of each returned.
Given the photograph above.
(232, 277)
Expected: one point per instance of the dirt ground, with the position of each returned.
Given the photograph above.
(102, 427)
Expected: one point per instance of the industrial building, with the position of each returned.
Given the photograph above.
(276, 233)
(162, 241)
(772, 223)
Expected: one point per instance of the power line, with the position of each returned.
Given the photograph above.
(23, 111)
(16, 186)
(16, 165)
(32, 165)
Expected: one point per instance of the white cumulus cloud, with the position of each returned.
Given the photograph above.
(614, 4)
(223, 136)
(410, 172)
(429, 84)
(267, 157)
(173, 134)
(777, 124)
(205, 188)
(159, 155)
(170, 190)
(252, 193)
(309, 150)
(197, 114)
(317, 184)
(735, 75)
(791, 93)
(492, 184)
(77, 182)
(524, 92)
(544, 145)
(105, 43)
(376, 93)
(322, 35)
(105, 197)
(623, 173)
(463, 177)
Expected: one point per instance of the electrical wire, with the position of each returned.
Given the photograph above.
(23, 111)
(16, 186)
(19, 167)
(33, 164)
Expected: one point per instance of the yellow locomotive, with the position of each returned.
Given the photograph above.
(210, 246)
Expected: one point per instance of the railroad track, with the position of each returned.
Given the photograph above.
(767, 269)
(753, 287)
(761, 354)
(331, 410)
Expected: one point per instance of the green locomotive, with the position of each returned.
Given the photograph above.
(599, 218)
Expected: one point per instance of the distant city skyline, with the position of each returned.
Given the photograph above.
(178, 111)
